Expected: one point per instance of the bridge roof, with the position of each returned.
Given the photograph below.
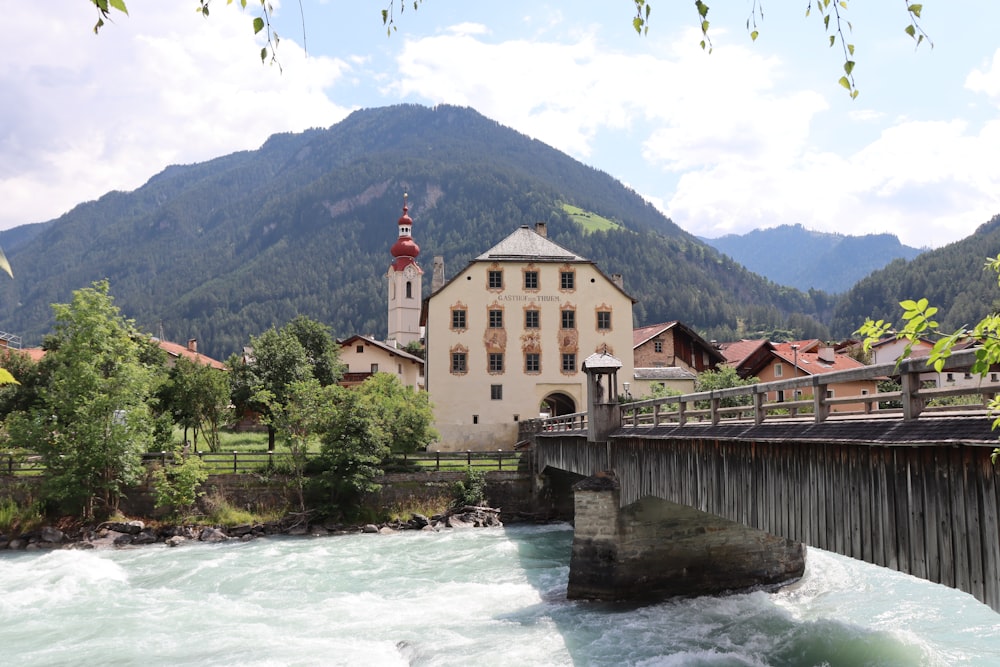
(971, 429)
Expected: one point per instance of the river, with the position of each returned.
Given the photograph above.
(463, 598)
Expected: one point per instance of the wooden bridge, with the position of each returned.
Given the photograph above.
(911, 487)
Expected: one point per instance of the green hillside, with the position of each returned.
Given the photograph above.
(951, 278)
(227, 248)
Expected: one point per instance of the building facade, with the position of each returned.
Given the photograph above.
(364, 356)
(506, 338)
(670, 355)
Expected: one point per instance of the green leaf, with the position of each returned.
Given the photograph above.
(844, 82)
(637, 24)
(702, 8)
(753, 36)
(258, 25)
(826, 21)
(911, 31)
(385, 16)
(704, 27)
(263, 54)
(849, 67)
(120, 6)
(916, 9)
(832, 40)
(850, 49)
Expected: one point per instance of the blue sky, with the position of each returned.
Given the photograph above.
(755, 134)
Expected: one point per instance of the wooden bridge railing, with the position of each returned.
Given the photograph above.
(750, 404)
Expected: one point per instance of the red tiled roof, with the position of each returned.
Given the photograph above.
(737, 352)
(642, 334)
(810, 363)
(175, 350)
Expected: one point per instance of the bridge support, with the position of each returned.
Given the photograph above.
(655, 549)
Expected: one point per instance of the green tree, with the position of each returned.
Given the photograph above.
(724, 377)
(404, 413)
(918, 322)
(197, 398)
(94, 420)
(301, 350)
(306, 412)
(352, 447)
(322, 351)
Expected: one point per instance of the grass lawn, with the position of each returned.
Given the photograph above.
(591, 222)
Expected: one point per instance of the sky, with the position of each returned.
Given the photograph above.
(752, 134)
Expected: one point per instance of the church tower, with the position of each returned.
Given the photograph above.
(404, 278)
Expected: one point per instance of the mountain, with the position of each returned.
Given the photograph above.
(951, 278)
(795, 256)
(224, 249)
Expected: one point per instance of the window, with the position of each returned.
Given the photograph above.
(496, 362)
(374, 368)
(781, 396)
(360, 349)
(531, 319)
(496, 392)
(950, 377)
(569, 362)
(531, 280)
(993, 377)
(657, 346)
(496, 318)
(458, 318)
(458, 362)
(778, 371)
(567, 280)
(829, 393)
(603, 320)
(569, 319)
(532, 362)
(409, 290)
(399, 369)
(496, 279)
(475, 419)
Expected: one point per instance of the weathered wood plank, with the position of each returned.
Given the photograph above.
(917, 521)
(931, 481)
(960, 542)
(974, 509)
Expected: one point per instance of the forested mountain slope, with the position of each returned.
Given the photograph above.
(951, 278)
(795, 256)
(224, 249)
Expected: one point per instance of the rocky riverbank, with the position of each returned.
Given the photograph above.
(132, 533)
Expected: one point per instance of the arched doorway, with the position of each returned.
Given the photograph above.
(557, 404)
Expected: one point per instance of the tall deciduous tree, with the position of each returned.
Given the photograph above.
(352, 447)
(405, 414)
(300, 351)
(94, 421)
(197, 397)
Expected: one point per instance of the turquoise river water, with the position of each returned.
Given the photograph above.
(472, 597)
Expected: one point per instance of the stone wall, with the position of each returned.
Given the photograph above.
(510, 491)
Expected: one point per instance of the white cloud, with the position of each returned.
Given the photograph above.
(86, 114)
(986, 80)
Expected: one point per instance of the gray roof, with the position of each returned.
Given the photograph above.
(664, 373)
(525, 243)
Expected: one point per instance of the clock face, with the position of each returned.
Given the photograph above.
(410, 272)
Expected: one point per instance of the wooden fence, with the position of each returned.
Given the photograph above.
(220, 463)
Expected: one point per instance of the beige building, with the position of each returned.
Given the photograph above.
(364, 356)
(506, 338)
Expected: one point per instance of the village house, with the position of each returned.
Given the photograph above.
(810, 358)
(669, 355)
(507, 335)
(364, 356)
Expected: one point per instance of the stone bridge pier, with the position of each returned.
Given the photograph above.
(655, 549)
